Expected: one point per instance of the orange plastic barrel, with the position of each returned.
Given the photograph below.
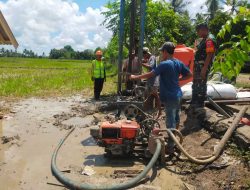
(186, 55)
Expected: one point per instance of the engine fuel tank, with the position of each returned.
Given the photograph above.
(124, 129)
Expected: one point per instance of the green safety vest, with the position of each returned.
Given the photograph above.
(98, 69)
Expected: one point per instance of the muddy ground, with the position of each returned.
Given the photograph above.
(30, 130)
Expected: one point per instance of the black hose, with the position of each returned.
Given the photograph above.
(83, 186)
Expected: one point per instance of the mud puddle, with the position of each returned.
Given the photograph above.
(39, 125)
(32, 128)
(25, 165)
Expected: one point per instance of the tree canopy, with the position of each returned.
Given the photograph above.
(69, 53)
(213, 6)
(235, 4)
(179, 6)
(161, 21)
(170, 20)
(235, 47)
(217, 22)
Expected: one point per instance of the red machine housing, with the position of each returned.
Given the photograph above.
(115, 133)
(117, 138)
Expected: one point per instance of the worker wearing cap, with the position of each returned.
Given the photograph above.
(98, 74)
(204, 55)
(149, 62)
(169, 71)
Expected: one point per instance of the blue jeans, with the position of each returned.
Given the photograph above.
(172, 109)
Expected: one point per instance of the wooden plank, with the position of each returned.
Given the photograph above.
(2, 40)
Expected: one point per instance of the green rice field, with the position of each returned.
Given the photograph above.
(25, 77)
(28, 77)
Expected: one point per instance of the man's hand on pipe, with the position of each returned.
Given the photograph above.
(133, 77)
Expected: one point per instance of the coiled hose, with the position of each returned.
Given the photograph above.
(83, 186)
(220, 146)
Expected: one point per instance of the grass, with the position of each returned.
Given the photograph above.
(243, 80)
(24, 77)
(240, 153)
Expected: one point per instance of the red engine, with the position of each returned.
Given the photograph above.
(118, 138)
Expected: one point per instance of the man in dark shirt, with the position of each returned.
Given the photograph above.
(204, 55)
(150, 63)
(170, 92)
(135, 69)
(152, 97)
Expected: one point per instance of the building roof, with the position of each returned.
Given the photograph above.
(6, 35)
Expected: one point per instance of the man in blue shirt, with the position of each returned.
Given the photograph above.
(170, 92)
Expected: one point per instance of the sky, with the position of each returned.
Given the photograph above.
(41, 25)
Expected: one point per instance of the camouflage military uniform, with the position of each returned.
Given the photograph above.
(199, 87)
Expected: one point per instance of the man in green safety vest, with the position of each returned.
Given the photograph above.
(98, 74)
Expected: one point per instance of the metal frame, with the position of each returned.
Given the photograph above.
(131, 37)
(132, 33)
(142, 29)
(121, 38)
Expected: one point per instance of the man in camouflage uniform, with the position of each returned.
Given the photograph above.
(204, 55)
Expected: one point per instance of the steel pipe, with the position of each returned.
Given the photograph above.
(121, 38)
(132, 33)
(142, 29)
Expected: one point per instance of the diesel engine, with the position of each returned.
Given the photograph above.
(118, 138)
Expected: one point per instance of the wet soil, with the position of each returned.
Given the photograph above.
(39, 125)
(230, 171)
(32, 128)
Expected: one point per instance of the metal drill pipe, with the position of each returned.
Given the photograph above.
(132, 33)
(142, 26)
(121, 37)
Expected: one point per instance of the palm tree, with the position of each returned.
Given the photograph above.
(25, 52)
(213, 6)
(234, 4)
(179, 5)
(2, 50)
